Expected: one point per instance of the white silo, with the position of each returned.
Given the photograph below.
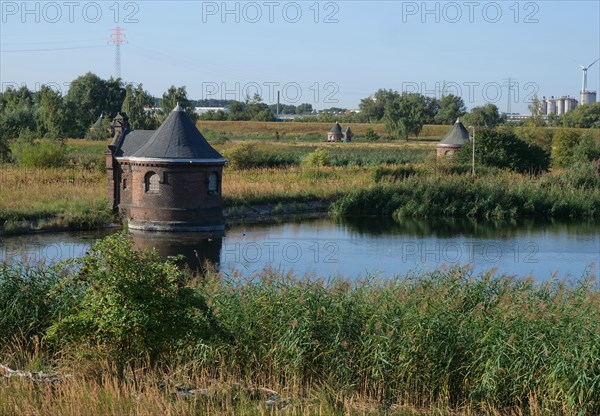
(588, 97)
(543, 106)
(551, 107)
(570, 104)
(560, 106)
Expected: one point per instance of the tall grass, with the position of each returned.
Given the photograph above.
(446, 340)
(500, 196)
(257, 155)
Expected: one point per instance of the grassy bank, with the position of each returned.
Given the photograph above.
(499, 195)
(445, 340)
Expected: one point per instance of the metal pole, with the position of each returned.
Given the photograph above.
(473, 170)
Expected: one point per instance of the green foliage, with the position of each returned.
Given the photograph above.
(448, 336)
(136, 305)
(584, 116)
(42, 153)
(26, 309)
(444, 335)
(371, 136)
(372, 109)
(407, 114)
(503, 149)
(136, 99)
(504, 195)
(587, 150)
(17, 112)
(88, 97)
(51, 113)
(100, 130)
(565, 142)
(451, 107)
(319, 157)
(170, 99)
(484, 116)
(241, 156)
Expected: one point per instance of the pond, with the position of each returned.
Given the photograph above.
(355, 248)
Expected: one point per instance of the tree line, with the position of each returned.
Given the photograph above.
(91, 102)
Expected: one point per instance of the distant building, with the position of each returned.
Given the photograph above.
(452, 141)
(167, 179)
(204, 110)
(336, 134)
(557, 106)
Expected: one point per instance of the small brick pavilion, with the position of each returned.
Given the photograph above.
(452, 142)
(167, 179)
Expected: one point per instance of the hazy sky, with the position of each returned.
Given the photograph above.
(324, 53)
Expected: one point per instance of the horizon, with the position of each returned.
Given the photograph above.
(327, 54)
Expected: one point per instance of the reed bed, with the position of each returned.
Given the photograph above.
(443, 342)
(502, 195)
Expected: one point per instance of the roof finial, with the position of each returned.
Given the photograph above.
(178, 107)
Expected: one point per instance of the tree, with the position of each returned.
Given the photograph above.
(503, 149)
(407, 114)
(588, 149)
(88, 97)
(237, 111)
(372, 109)
(535, 107)
(17, 113)
(257, 110)
(51, 114)
(304, 108)
(170, 99)
(135, 103)
(484, 116)
(451, 107)
(585, 116)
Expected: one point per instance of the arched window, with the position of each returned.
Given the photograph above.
(213, 186)
(151, 182)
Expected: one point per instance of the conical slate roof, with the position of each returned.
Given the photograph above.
(457, 136)
(337, 129)
(178, 139)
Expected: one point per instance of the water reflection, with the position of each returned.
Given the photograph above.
(198, 249)
(451, 227)
(354, 247)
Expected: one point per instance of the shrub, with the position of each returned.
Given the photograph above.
(241, 156)
(503, 149)
(319, 157)
(565, 141)
(371, 136)
(135, 304)
(42, 153)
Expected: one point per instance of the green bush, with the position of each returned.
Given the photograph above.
(371, 135)
(319, 157)
(565, 141)
(42, 153)
(503, 149)
(136, 304)
(241, 156)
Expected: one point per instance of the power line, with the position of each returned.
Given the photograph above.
(50, 49)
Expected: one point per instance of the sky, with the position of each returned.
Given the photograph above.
(328, 54)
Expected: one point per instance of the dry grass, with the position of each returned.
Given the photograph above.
(295, 183)
(38, 193)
